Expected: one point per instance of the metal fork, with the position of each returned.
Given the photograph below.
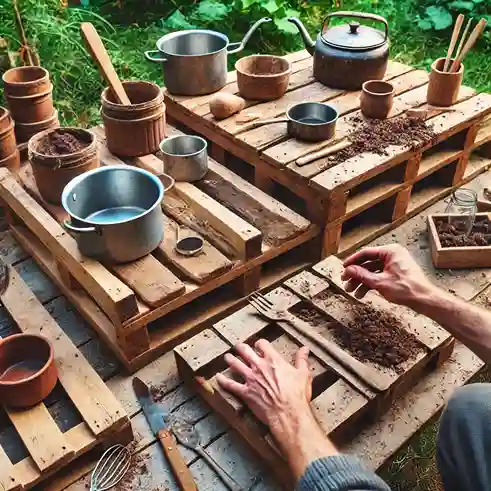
(272, 312)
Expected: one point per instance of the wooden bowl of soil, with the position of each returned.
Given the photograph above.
(262, 77)
(27, 370)
(58, 155)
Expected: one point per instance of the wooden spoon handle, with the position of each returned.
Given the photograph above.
(100, 56)
(469, 44)
(323, 153)
(257, 124)
(453, 40)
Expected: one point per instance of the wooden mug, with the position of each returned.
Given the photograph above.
(444, 87)
(377, 98)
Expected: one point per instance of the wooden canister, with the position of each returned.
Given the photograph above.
(443, 87)
(26, 81)
(24, 131)
(54, 172)
(137, 129)
(31, 108)
(8, 143)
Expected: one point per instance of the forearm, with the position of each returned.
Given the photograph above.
(468, 323)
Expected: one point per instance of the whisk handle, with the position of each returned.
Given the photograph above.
(179, 468)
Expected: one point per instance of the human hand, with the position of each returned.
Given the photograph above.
(273, 389)
(390, 270)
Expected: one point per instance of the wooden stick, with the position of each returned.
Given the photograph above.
(453, 40)
(469, 44)
(462, 39)
(323, 153)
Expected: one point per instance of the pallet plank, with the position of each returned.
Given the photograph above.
(9, 480)
(207, 265)
(150, 280)
(95, 402)
(114, 297)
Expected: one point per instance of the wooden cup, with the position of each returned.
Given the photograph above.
(443, 87)
(377, 98)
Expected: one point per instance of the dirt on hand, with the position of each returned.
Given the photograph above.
(61, 142)
(454, 233)
(376, 135)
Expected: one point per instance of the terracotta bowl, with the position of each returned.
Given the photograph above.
(27, 370)
(262, 77)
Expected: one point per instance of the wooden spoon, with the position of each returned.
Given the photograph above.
(469, 44)
(453, 41)
(101, 57)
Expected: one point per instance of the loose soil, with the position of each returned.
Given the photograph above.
(376, 135)
(137, 468)
(454, 233)
(61, 142)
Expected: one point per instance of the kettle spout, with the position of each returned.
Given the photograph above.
(309, 44)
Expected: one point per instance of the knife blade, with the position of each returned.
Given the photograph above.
(157, 419)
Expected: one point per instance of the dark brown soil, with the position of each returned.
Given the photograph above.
(138, 467)
(378, 337)
(454, 233)
(62, 142)
(375, 136)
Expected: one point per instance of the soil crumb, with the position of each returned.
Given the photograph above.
(453, 233)
(377, 336)
(376, 135)
(62, 142)
(137, 468)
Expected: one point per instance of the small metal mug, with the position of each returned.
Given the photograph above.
(185, 157)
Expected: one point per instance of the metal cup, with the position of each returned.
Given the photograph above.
(185, 157)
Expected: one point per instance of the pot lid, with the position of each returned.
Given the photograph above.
(353, 37)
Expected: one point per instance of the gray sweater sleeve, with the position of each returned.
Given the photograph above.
(340, 473)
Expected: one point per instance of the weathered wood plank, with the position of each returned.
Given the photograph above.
(9, 480)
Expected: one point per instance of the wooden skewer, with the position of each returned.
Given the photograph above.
(453, 40)
(462, 39)
(469, 44)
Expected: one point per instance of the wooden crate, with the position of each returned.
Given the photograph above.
(341, 196)
(245, 233)
(342, 402)
(104, 421)
(456, 257)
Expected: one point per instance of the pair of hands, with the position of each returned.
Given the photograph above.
(278, 392)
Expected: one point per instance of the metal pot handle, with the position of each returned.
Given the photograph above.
(236, 47)
(80, 230)
(149, 56)
(357, 15)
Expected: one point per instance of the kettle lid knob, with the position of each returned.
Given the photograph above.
(353, 27)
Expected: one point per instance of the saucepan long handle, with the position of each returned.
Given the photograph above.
(236, 47)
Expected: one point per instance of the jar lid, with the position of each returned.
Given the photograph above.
(354, 37)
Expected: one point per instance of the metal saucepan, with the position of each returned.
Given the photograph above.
(115, 212)
(194, 62)
(308, 121)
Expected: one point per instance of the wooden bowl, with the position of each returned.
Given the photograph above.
(262, 77)
(27, 370)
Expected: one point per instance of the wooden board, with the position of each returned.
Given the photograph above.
(243, 228)
(343, 402)
(103, 417)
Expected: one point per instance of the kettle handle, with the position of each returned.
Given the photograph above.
(357, 15)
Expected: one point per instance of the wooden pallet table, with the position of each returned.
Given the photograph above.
(378, 192)
(342, 402)
(103, 419)
(250, 238)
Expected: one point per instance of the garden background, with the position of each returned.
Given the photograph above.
(419, 32)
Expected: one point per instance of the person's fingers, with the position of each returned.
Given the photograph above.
(238, 366)
(231, 385)
(266, 349)
(351, 285)
(367, 254)
(248, 354)
(361, 291)
(302, 359)
(361, 275)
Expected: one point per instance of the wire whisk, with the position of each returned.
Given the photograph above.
(111, 468)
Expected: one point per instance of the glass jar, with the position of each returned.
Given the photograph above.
(461, 210)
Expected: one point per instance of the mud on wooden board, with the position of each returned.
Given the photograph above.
(342, 402)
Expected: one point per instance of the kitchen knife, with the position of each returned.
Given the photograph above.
(157, 419)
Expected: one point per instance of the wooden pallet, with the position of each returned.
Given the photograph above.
(104, 421)
(244, 230)
(342, 402)
(352, 192)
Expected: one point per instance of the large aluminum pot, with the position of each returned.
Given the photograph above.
(194, 62)
(115, 212)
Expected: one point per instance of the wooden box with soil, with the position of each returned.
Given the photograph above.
(371, 162)
(454, 246)
(144, 308)
(396, 346)
(48, 446)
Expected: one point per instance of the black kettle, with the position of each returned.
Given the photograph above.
(348, 55)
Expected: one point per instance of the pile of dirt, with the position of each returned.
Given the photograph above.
(454, 233)
(376, 135)
(377, 336)
(137, 468)
(61, 142)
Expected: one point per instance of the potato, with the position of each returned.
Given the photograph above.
(223, 105)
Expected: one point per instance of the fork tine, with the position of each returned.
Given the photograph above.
(265, 299)
(258, 307)
(261, 301)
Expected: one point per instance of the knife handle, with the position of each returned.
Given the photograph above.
(181, 471)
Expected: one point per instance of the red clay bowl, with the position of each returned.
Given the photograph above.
(27, 370)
